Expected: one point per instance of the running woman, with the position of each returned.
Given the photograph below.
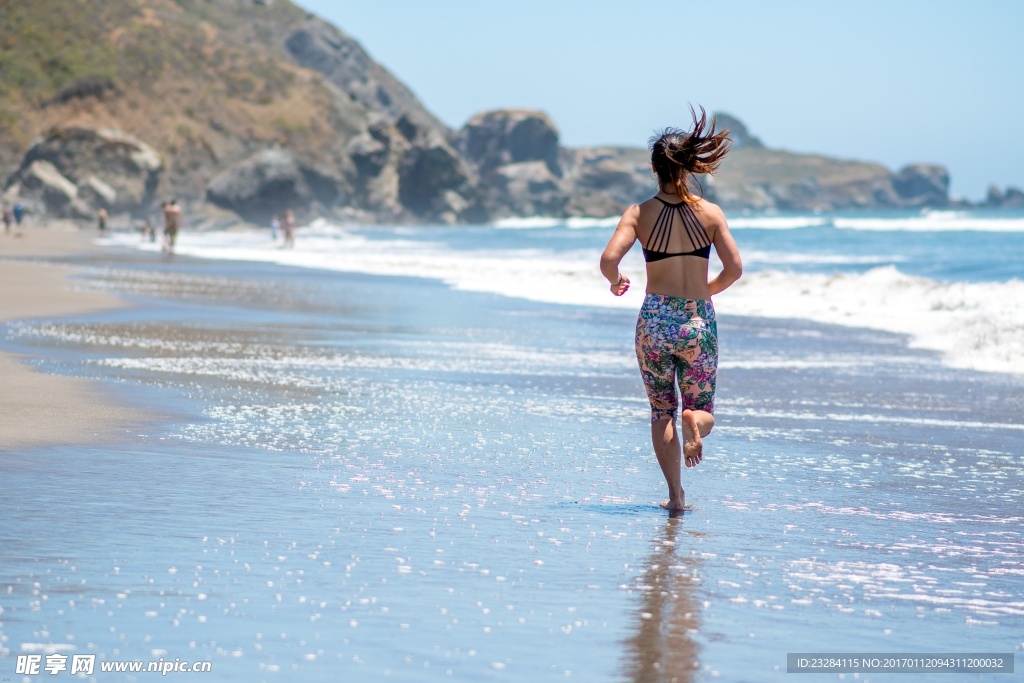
(676, 332)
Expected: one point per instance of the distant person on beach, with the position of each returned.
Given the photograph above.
(101, 218)
(163, 209)
(275, 225)
(8, 215)
(19, 213)
(676, 332)
(288, 225)
(172, 222)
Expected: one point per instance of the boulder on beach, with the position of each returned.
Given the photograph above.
(108, 168)
(261, 186)
(49, 192)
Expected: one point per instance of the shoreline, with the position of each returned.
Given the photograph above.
(38, 409)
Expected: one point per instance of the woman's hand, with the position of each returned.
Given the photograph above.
(618, 245)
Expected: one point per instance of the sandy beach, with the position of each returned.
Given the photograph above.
(38, 409)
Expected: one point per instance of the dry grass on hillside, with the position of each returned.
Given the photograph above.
(755, 166)
(184, 75)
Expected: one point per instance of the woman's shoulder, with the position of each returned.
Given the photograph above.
(650, 204)
(713, 212)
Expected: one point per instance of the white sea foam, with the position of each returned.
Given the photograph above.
(539, 222)
(527, 223)
(536, 274)
(974, 325)
(778, 222)
(753, 257)
(935, 221)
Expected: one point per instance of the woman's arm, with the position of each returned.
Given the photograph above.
(729, 254)
(621, 242)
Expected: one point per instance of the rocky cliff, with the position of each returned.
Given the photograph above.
(523, 171)
(242, 108)
(238, 105)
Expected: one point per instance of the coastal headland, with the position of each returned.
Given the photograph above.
(243, 108)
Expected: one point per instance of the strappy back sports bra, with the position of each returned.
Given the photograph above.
(662, 233)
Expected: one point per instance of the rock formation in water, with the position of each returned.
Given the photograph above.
(1010, 198)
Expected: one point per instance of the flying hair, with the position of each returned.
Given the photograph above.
(678, 155)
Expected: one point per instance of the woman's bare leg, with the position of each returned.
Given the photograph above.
(665, 439)
(696, 424)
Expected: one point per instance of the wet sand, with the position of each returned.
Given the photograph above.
(38, 409)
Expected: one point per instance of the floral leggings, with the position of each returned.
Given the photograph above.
(677, 338)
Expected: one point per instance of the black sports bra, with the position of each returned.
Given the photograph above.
(654, 251)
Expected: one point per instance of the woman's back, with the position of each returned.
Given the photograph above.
(676, 237)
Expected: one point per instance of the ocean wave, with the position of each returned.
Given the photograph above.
(935, 221)
(778, 222)
(792, 258)
(978, 326)
(543, 222)
(579, 223)
(537, 274)
(528, 223)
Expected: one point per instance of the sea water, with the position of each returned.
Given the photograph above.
(423, 454)
(950, 280)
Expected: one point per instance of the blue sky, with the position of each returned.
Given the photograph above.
(895, 82)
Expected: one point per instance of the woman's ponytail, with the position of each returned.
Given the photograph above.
(677, 155)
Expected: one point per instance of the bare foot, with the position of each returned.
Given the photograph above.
(693, 447)
(675, 505)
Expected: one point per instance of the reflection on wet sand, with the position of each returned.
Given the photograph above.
(663, 649)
